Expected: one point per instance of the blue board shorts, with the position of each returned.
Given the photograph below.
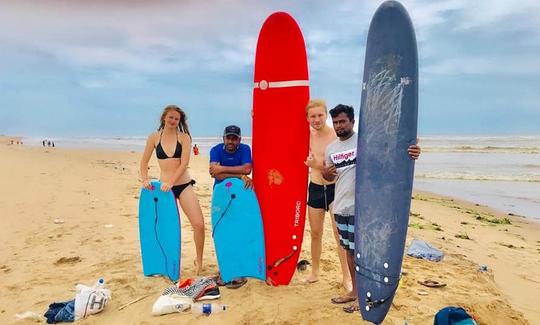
(345, 227)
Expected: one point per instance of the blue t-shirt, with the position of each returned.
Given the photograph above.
(241, 156)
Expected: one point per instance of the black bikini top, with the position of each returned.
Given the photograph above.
(160, 153)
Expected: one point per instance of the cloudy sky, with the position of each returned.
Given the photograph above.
(109, 67)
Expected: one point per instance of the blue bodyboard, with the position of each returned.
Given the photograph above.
(237, 230)
(384, 170)
(159, 231)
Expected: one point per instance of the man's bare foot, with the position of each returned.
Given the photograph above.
(312, 278)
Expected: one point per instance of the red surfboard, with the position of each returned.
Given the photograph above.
(281, 142)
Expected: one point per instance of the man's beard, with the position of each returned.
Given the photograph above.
(231, 147)
(344, 134)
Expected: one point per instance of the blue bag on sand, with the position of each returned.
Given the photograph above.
(421, 249)
(60, 312)
(453, 316)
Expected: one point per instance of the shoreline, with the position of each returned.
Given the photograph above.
(89, 189)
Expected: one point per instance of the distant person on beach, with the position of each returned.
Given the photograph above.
(321, 192)
(48, 143)
(53, 144)
(195, 150)
(43, 143)
(340, 166)
(231, 159)
(172, 143)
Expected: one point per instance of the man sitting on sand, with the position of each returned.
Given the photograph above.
(231, 159)
(321, 192)
(340, 166)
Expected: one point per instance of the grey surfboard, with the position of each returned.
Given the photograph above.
(384, 170)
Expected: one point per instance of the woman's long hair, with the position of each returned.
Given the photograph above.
(182, 126)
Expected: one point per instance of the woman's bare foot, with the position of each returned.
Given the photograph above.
(312, 278)
(198, 268)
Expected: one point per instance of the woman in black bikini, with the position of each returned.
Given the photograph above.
(172, 143)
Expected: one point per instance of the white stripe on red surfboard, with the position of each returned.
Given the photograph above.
(263, 84)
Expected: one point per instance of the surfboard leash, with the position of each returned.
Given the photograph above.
(281, 260)
(372, 303)
(233, 196)
(159, 242)
(376, 302)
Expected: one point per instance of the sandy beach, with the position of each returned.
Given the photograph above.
(70, 216)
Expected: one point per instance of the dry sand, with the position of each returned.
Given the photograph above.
(41, 261)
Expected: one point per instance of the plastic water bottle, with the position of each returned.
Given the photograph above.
(100, 284)
(207, 309)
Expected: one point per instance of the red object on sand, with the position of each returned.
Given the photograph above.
(281, 142)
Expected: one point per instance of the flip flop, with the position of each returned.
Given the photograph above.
(219, 281)
(236, 283)
(342, 300)
(351, 309)
(432, 284)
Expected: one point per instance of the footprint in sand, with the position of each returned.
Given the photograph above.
(327, 265)
(68, 260)
(14, 287)
(121, 281)
(5, 269)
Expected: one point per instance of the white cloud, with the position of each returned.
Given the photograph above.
(501, 66)
(501, 15)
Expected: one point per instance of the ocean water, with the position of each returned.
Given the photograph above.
(502, 172)
(135, 143)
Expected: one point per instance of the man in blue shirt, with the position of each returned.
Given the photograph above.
(231, 158)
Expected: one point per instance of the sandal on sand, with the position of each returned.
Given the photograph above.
(342, 300)
(236, 283)
(219, 281)
(351, 309)
(432, 284)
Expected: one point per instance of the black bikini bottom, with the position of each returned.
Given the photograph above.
(178, 189)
